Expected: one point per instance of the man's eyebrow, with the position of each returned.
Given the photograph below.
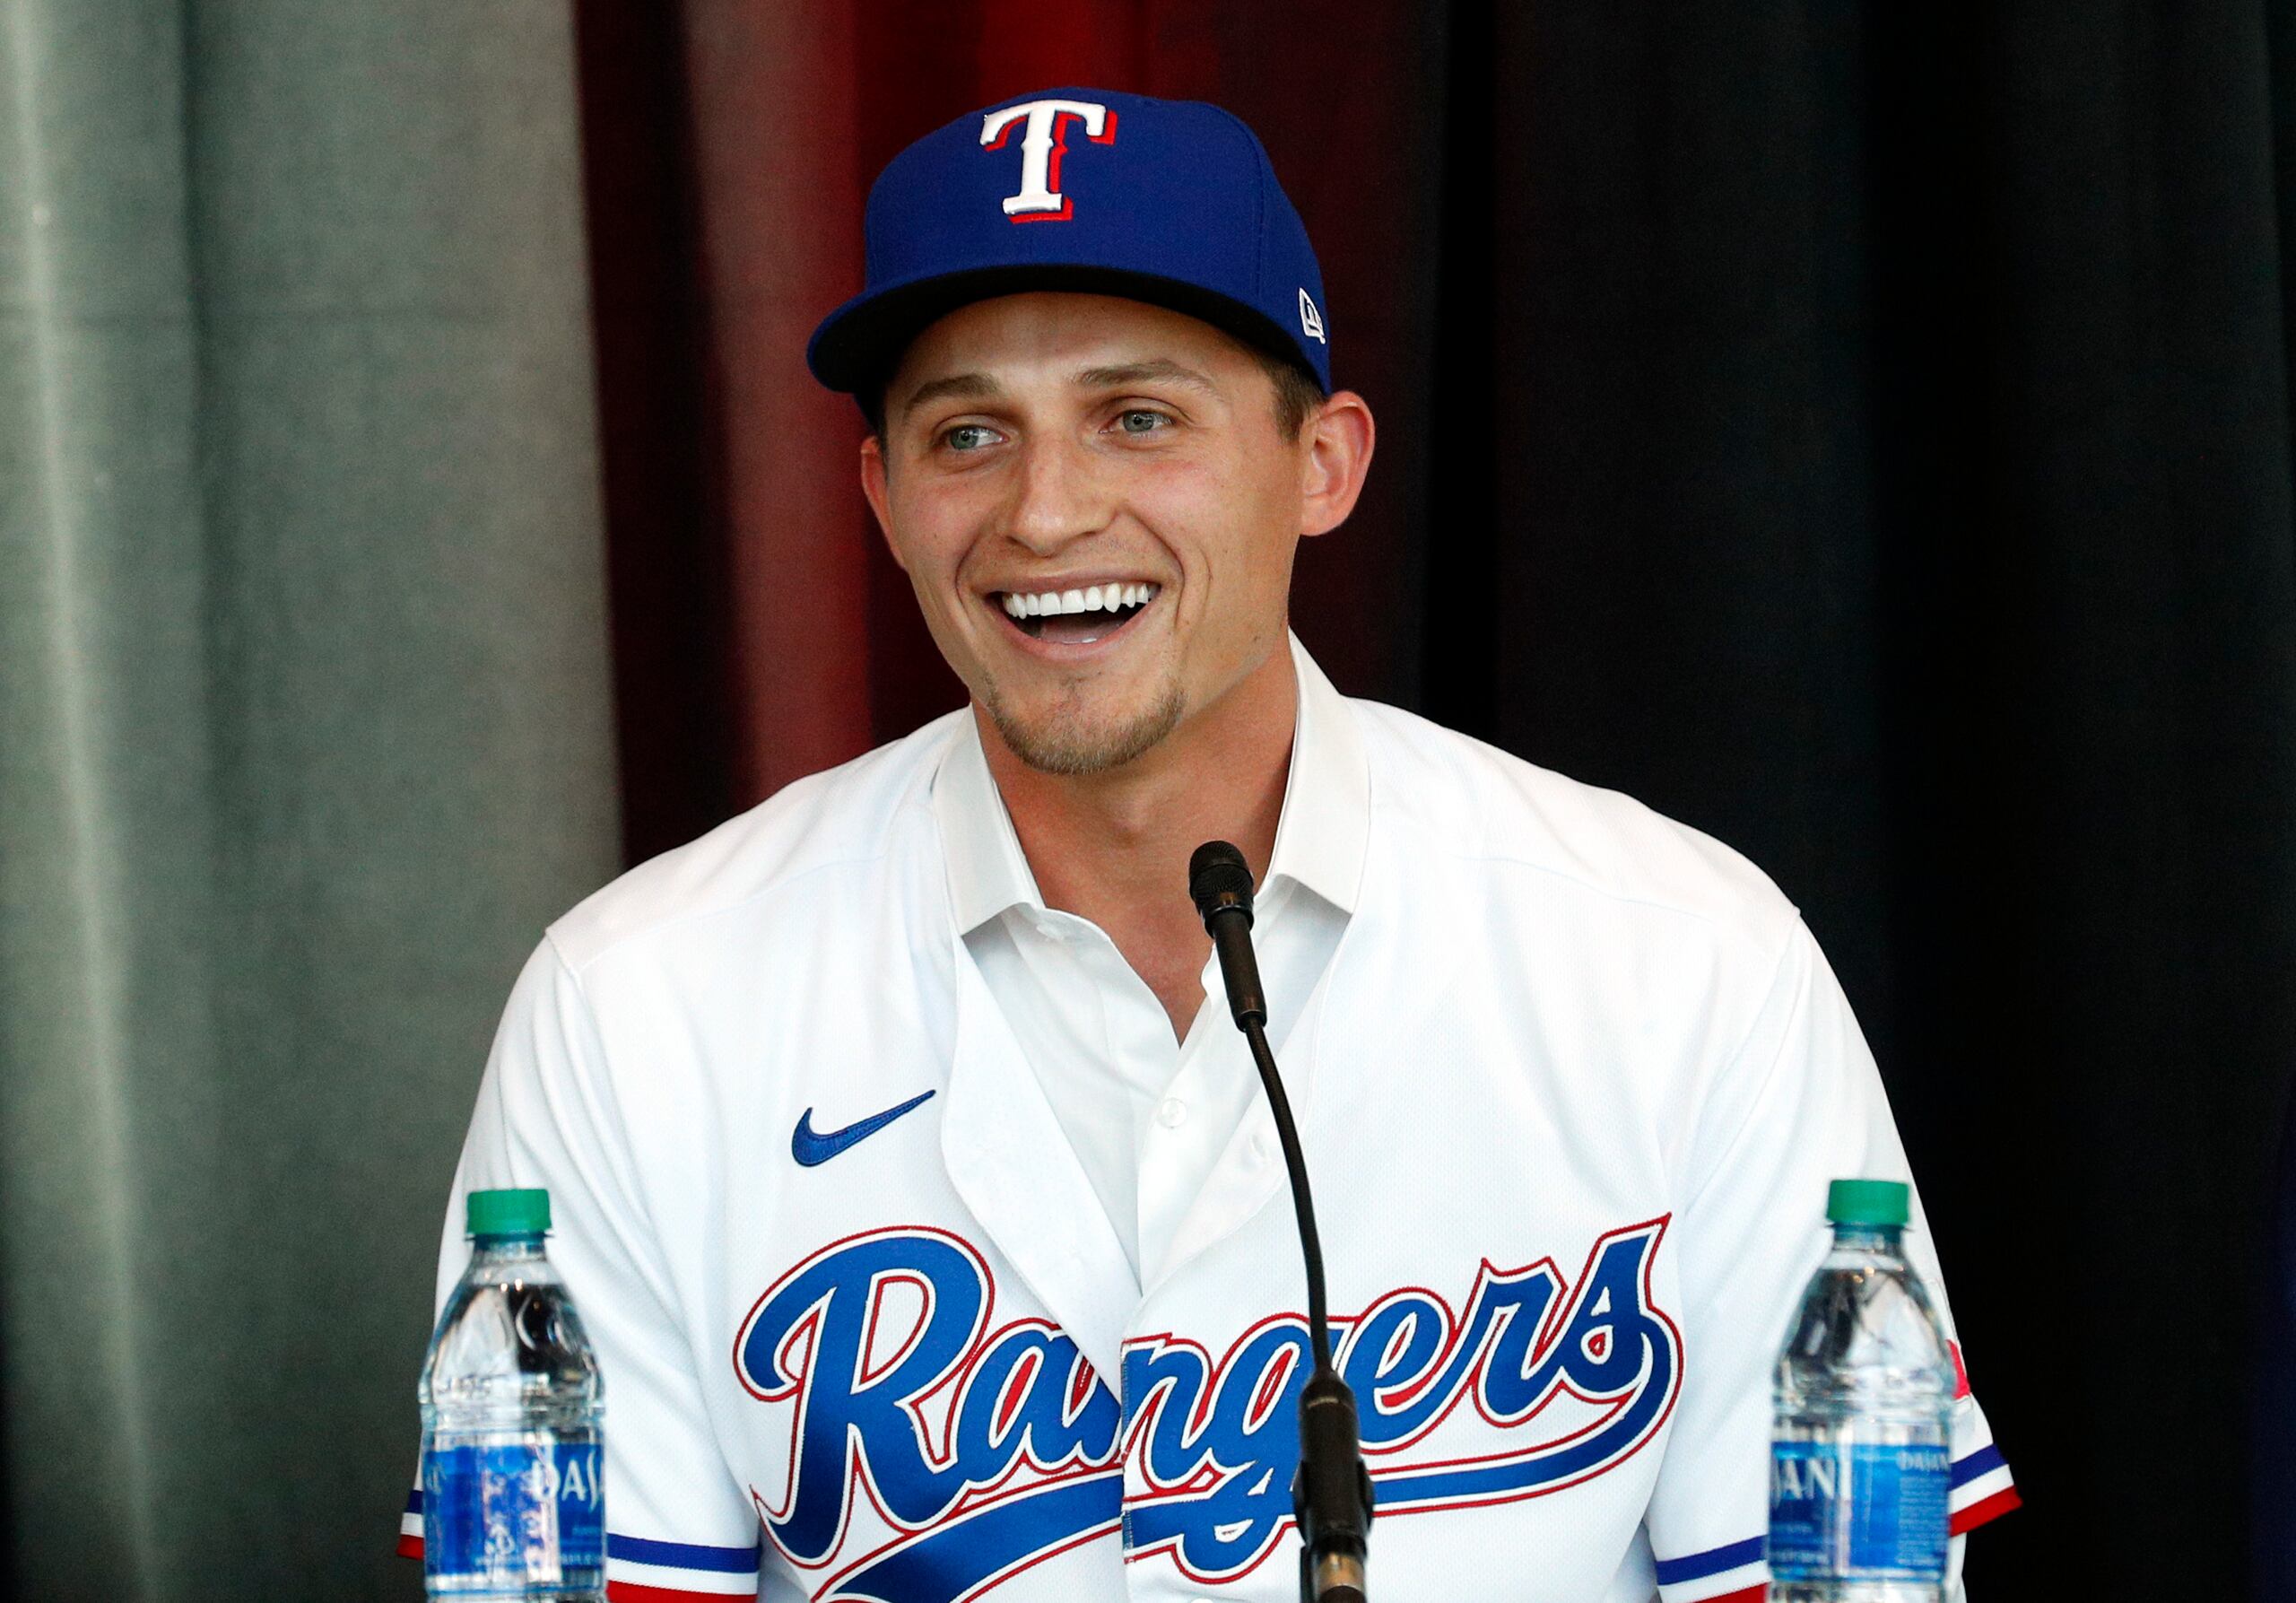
(1135, 372)
(965, 386)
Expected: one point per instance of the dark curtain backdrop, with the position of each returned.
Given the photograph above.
(1861, 433)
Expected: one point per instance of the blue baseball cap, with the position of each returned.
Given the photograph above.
(1170, 202)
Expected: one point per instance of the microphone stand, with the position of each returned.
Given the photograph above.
(1331, 1494)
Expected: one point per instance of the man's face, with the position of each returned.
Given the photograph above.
(1097, 510)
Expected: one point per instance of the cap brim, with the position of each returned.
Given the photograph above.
(858, 345)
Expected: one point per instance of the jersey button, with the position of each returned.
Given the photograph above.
(1171, 1112)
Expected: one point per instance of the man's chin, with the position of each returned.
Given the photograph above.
(1065, 743)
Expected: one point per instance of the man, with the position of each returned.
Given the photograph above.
(920, 1196)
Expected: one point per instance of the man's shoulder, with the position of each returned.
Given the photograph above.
(1495, 811)
(848, 819)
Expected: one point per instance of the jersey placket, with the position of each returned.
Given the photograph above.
(1184, 1101)
(1011, 1162)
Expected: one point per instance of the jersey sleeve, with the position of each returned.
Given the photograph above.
(678, 1524)
(1799, 1105)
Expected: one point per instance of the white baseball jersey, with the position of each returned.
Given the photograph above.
(1149, 1116)
(1572, 1088)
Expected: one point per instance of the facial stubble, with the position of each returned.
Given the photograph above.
(1064, 743)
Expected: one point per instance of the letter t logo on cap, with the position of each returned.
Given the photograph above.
(1044, 140)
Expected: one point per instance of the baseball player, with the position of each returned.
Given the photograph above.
(920, 1196)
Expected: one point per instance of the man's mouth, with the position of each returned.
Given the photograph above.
(1076, 617)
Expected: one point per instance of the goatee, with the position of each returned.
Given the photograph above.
(1064, 744)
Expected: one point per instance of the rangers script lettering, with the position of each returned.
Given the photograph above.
(987, 1450)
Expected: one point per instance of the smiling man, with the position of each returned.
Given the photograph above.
(923, 1206)
(1098, 501)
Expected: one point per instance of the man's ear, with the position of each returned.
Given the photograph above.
(1340, 438)
(872, 485)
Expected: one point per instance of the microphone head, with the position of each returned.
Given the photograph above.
(1219, 878)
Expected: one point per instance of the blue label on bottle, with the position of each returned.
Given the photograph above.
(1842, 1511)
(515, 1514)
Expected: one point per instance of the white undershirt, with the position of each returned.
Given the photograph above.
(1148, 1116)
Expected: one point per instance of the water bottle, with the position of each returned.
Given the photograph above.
(513, 1507)
(1861, 1455)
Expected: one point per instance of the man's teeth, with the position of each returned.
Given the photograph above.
(1053, 604)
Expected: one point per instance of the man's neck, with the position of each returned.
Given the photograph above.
(1113, 846)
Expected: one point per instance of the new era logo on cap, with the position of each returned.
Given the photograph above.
(1182, 210)
(1043, 144)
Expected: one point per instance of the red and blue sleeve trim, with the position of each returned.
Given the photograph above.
(683, 1556)
(409, 1526)
(646, 1570)
(1983, 1489)
(1735, 1572)
(710, 1575)
(1738, 1571)
(1697, 1566)
(1985, 1510)
(1984, 1460)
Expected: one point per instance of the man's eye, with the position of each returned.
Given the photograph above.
(968, 437)
(1141, 421)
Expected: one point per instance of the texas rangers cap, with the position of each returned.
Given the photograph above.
(1170, 202)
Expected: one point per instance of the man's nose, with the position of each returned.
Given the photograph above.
(1059, 495)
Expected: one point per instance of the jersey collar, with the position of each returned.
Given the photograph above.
(1320, 837)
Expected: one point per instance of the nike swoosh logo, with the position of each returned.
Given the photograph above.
(809, 1148)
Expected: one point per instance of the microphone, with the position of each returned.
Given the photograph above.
(1331, 1494)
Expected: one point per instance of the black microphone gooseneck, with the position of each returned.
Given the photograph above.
(1331, 1495)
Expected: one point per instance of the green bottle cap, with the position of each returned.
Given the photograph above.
(524, 1212)
(1869, 1202)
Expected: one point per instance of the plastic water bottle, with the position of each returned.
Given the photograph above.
(513, 1507)
(1861, 1455)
